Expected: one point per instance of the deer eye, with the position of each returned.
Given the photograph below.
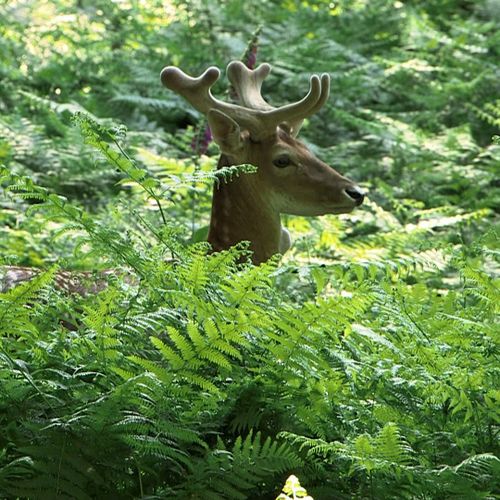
(282, 161)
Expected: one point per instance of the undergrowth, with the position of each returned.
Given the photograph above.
(201, 377)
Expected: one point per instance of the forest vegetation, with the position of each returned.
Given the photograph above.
(364, 362)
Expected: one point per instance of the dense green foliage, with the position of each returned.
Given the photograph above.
(365, 361)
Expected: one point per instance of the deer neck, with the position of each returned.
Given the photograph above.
(241, 211)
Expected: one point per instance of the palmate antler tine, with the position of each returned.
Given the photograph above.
(297, 111)
(248, 84)
(295, 125)
(325, 93)
(195, 90)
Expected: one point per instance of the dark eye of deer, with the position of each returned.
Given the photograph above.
(282, 161)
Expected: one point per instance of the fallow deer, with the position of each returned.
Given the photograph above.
(289, 178)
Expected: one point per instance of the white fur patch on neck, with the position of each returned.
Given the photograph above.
(285, 241)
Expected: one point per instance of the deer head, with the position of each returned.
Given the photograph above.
(289, 178)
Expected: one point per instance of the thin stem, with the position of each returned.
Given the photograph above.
(149, 191)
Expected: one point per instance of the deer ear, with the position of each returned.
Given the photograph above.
(225, 131)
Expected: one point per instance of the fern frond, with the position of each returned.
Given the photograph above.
(249, 463)
(15, 310)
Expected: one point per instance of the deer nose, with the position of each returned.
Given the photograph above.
(356, 193)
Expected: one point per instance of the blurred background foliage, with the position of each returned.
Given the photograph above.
(412, 117)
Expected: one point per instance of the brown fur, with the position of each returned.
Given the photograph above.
(249, 207)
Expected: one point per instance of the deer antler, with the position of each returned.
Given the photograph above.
(194, 90)
(256, 115)
(197, 92)
(296, 124)
(248, 84)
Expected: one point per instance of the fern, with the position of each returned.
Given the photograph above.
(15, 304)
(231, 473)
(193, 353)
